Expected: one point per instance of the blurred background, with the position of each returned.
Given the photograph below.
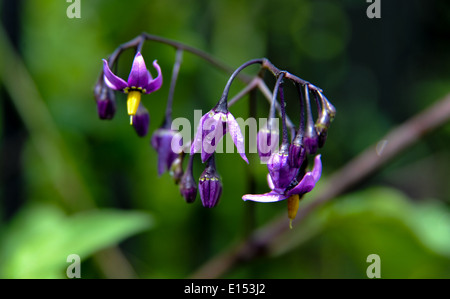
(71, 183)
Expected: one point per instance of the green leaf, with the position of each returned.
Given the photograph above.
(39, 240)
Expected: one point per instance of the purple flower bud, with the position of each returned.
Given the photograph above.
(141, 121)
(176, 169)
(311, 140)
(268, 140)
(326, 116)
(297, 153)
(188, 187)
(162, 143)
(209, 185)
(106, 104)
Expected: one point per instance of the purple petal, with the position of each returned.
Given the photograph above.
(267, 197)
(209, 133)
(213, 131)
(309, 179)
(154, 84)
(139, 75)
(236, 135)
(270, 182)
(198, 138)
(113, 81)
(317, 169)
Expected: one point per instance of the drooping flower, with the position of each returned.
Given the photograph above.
(139, 81)
(213, 126)
(210, 185)
(297, 186)
(162, 142)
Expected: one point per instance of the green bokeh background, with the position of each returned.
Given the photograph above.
(71, 183)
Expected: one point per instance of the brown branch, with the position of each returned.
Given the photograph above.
(352, 174)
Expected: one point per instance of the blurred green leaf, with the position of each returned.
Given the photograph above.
(38, 241)
(411, 238)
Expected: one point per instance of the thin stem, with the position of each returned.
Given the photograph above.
(268, 95)
(301, 127)
(279, 90)
(173, 81)
(247, 89)
(222, 105)
(276, 71)
(309, 117)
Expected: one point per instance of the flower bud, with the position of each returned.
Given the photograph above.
(188, 187)
(176, 169)
(209, 185)
(326, 116)
(106, 104)
(141, 121)
(311, 140)
(297, 151)
(268, 140)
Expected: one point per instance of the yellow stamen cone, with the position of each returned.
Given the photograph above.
(133, 100)
(293, 203)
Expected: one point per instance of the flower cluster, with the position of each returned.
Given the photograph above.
(287, 157)
(287, 176)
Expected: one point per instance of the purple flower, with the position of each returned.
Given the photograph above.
(213, 125)
(167, 152)
(139, 81)
(209, 185)
(305, 185)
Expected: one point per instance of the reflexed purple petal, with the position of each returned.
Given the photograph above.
(317, 169)
(212, 133)
(305, 185)
(111, 80)
(309, 180)
(198, 138)
(236, 135)
(154, 84)
(139, 75)
(267, 197)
